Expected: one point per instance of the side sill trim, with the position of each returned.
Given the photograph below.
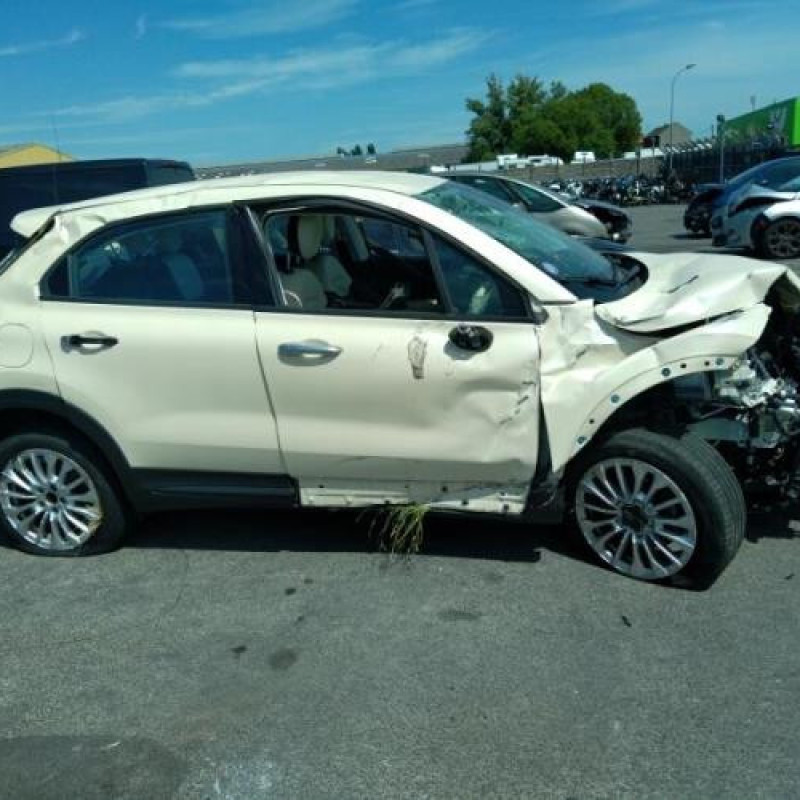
(177, 489)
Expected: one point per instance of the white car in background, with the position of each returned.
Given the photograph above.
(367, 339)
(764, 220)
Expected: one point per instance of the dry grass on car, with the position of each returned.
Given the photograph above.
(399, 529)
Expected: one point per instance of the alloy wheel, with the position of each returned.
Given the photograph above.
(636, 518)
(49, 499)
(783, 239)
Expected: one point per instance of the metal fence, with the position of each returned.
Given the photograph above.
(706, 166)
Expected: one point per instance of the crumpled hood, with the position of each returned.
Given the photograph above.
(759, 192)
(589, 202)
(687, 288)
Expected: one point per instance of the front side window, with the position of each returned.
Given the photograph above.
(348, 260)
(343, 259)
(400, 240)
(182, 259)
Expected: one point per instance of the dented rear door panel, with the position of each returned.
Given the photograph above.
(400, 413)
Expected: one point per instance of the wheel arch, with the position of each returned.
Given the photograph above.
(625, 400)
(24, 410)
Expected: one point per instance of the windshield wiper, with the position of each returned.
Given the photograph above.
(586, 280)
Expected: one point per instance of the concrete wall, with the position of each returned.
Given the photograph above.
(615, 167)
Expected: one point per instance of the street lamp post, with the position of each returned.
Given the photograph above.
(721, 140)
(672, 106)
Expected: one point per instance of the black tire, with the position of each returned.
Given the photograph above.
(770, 246)
(704, 477)
(115, 515)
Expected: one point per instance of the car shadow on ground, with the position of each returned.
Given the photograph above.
(445, 535)
(691, 237)
(780, 521)
(456, 536)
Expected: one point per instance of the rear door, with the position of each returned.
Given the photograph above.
(151, 331)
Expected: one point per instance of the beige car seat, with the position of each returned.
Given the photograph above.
(182, 269)
(312, 231)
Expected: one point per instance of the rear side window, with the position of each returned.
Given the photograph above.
(183, 259)
(490, 186)
(537, 202)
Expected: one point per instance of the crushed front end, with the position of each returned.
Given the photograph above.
(751, 411)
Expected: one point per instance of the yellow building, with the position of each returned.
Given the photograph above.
(20, 155)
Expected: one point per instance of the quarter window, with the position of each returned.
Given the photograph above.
(175, 260)
(474, 290)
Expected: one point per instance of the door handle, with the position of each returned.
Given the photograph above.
(474, 338)
(312, 348)
(84, 339)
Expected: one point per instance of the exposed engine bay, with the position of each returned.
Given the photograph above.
(751, 412)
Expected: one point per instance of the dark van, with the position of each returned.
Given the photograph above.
(40, 185)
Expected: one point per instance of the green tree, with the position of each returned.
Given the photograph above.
(617, 113)
(357, 151)
(534, 133)
(531, 119)
(489, 132)
(371, 149)
(523, 94)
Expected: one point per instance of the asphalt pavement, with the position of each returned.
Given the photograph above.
(276, 655)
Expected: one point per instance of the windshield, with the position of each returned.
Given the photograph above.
(561, 257)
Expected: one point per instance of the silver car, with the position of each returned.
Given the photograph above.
(584, 217)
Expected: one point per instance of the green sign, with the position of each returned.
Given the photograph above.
(779, 122)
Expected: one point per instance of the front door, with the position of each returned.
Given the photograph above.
(151, 333)
(399, 366)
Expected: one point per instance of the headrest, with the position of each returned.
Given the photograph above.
(310, 230)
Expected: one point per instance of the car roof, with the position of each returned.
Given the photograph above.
(26, 223)
(763, 166)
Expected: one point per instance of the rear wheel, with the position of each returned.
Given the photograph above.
(781, 239)
(55, 497)
(655, 507)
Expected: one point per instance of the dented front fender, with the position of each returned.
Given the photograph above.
(591, 375)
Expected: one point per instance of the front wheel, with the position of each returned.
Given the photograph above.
(654, 506)
(780, 239)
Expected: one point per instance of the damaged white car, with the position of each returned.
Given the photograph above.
(362, 339)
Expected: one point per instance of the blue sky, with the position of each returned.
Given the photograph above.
(236, 80)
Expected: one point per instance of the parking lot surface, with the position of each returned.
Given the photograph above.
(278, 655)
